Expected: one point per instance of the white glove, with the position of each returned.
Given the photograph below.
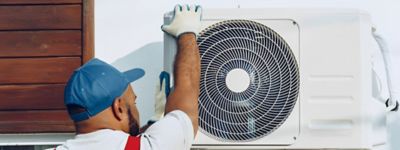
(186, 20)
(160, 100)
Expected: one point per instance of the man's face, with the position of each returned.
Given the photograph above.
(132, 113)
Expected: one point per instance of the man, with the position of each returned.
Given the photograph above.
(101, 101)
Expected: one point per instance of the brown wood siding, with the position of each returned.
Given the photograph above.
(32, 97)
(88, 30)
(39, 1)
(28, 17)
(40, 43)
(35, 121)
(43, 42)
(37, 70)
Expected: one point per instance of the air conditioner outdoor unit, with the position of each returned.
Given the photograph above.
(283, 78)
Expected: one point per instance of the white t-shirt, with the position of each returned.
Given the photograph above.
(173, 132)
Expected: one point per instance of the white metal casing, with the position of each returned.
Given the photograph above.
(335, 107)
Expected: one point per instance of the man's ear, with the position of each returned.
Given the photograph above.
(118, 108)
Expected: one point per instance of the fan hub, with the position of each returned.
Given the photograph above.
(237, 80)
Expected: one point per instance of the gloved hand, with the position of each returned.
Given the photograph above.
(186, 20)
(160, 100)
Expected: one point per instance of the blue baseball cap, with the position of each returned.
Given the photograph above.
(94, 87)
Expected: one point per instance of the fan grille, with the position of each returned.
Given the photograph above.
(274, 80)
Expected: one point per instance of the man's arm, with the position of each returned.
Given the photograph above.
(186, 79)
(184, 27)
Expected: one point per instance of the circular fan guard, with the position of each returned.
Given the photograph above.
(274, 80)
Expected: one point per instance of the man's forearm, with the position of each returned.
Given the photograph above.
(186, 79)
(187, 62)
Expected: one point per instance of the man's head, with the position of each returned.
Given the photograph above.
(98, 96)
(125, 112)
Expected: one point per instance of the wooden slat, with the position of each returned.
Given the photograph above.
(35, 121)
(39, 1)
(40, 43)
(37, 70)
(88, 30)
(32, 97)
(19, 147)
(40, 17)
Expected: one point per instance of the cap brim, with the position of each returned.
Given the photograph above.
(134, 74)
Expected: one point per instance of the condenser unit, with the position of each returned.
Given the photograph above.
(285, 79)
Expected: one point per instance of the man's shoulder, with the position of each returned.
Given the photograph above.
(173, 119)
(176, 124)
(179, 115)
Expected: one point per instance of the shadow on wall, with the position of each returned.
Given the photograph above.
(150, 58)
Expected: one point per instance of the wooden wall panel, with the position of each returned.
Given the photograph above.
(35, 121)
(40, 1)
(32, 97)
(37, 70)
(40, 43)
(88, 30)
(28, 17)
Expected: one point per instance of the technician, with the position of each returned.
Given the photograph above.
(102, 103)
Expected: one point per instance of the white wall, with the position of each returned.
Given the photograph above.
(128, 35)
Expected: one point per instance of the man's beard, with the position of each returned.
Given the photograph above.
(133, 125)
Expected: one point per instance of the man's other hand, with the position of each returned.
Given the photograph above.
(160, 100)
